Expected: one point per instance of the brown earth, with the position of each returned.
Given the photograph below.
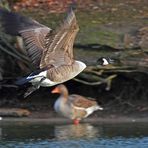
(116, 109)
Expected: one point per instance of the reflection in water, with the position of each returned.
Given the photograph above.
(70, 131)
(48, 131)
(76, 131)
(68, 136)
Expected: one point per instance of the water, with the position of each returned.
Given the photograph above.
(27, 135)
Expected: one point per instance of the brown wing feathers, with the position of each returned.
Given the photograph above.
(34, 41)
(80, 101)
(33, 33)
(60, 43)
(44, 47)
(59, 34)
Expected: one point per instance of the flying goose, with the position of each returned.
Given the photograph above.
(73, 106)
(50, 51)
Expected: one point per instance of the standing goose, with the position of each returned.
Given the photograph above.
(51, 51)
(73, 106)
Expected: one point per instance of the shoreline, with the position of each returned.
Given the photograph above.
(60, 120)
(51, 117)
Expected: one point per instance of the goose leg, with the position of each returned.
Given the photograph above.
(30, 90)
(76, 121)
(33, 88)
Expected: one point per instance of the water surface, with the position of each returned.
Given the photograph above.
(28, 135)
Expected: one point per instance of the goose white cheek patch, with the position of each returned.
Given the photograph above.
(105, 62)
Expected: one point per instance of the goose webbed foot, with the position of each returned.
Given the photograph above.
(76, 121)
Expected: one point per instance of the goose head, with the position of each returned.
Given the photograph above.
(60, 89)
(103, 61)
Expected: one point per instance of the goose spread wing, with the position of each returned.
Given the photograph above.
(33, 32)
(34, 41)
(59, 43)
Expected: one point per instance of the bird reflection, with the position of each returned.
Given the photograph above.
(76, 131)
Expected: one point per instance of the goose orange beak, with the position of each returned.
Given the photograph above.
(55, 90)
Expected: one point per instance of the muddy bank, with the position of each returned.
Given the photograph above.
(117, 102)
